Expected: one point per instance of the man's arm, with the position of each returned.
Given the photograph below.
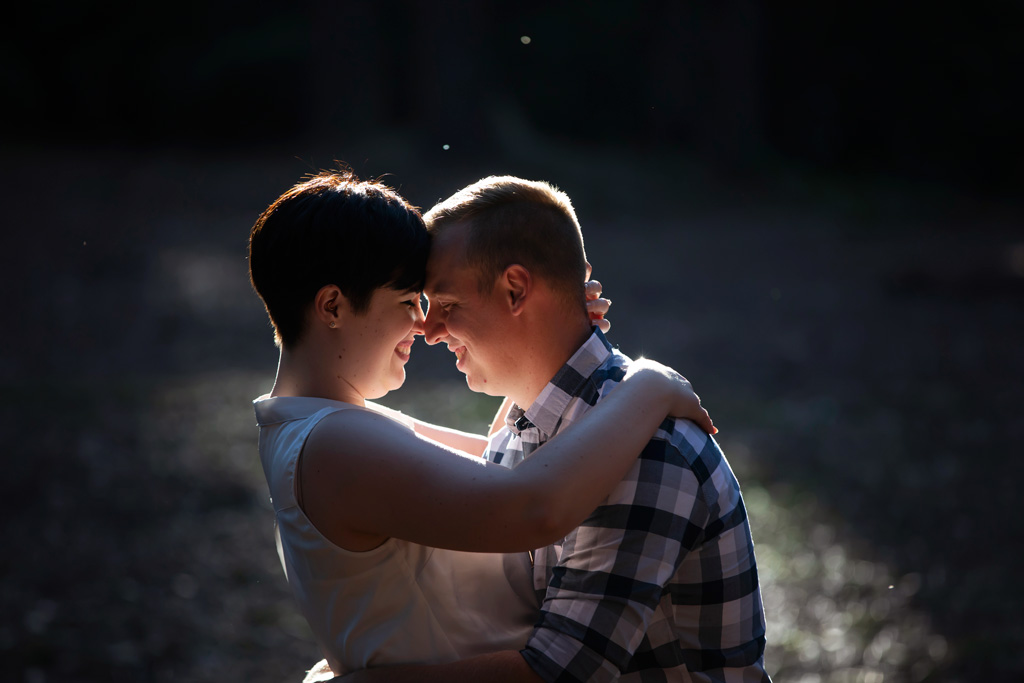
(474, 444)
(499, 417)
(497, 667)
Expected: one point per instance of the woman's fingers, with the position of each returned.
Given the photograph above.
(596, 309)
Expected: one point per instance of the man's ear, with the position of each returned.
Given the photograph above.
(589, 269)
(328, 306)
(518, 285)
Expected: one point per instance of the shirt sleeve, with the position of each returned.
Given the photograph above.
(605, 587)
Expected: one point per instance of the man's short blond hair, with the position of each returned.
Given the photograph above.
(511, 220)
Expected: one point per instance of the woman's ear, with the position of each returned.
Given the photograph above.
(518, 285)
(328, 306)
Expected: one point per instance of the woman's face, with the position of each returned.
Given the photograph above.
(375, 345)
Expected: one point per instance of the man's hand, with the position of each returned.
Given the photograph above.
(496, 667)
(320, 672)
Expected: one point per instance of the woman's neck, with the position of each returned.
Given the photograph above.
(300, 374)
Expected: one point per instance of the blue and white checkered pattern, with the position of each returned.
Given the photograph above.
(659, 583)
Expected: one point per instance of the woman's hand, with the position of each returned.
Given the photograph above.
(597, 307)
(683, 402)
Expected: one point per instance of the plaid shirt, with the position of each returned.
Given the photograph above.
(659, 583)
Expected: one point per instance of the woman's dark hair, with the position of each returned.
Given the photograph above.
(333, 228)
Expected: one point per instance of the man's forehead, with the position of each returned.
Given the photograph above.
(443, 280)
(435, 285)
(447, 263)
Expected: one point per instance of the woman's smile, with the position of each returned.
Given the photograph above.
(404, 350)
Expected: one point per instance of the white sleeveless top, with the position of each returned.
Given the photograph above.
(400, 602)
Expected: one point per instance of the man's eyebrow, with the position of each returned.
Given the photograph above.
(435, 289)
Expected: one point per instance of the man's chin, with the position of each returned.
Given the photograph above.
(481, 387)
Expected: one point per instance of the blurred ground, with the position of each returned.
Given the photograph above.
(857, 343)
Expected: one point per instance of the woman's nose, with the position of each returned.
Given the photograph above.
(418, 320)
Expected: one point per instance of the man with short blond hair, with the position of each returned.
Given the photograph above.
(660, 582)
(518, 221)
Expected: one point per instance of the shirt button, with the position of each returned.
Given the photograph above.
(522, 423)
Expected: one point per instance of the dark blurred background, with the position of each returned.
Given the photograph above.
(813, 210)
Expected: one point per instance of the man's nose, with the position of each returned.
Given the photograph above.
(434, 330)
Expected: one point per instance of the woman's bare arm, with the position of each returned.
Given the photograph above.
(365, 479)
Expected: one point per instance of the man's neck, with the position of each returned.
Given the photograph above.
(561, 341)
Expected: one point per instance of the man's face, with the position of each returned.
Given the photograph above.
(475, 326)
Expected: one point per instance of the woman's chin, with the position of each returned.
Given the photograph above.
(393, 383)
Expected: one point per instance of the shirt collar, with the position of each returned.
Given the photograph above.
(547, 411)
(272, 409)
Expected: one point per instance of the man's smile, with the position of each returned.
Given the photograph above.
(460, 353)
